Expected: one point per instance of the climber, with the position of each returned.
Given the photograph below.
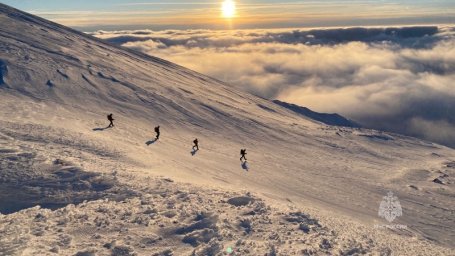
(157, 131)
(111, 120)
(243, 154)
(196, 145)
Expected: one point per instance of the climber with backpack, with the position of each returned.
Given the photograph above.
(111, 120)
(157, 131)
(196, 145)
(243, 154)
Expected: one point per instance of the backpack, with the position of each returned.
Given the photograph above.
(242, 151)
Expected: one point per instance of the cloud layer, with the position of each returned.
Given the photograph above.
(395, 79)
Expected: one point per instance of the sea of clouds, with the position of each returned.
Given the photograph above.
(397, 79)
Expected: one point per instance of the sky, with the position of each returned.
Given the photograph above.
(90, 15)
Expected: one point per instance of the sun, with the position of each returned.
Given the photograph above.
(228, 8)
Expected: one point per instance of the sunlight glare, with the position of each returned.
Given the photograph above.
(228, 9)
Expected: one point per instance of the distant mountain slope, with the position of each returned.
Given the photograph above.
(329, 119)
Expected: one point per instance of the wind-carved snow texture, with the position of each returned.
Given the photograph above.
(28, 179)
(312, 189)
(171, 219)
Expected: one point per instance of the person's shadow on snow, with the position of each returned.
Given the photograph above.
(150, 142)
(194, 151)
(102, 129)
(245, 166)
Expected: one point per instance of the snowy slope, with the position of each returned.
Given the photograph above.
(57, 85)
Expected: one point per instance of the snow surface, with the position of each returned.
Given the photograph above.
(309, 189)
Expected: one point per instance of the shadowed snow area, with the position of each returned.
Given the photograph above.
(308, 188)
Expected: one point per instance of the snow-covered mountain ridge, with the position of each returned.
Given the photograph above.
(56, 87)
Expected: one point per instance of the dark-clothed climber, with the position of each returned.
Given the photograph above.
(157, 131)
(243, 154)
(111, 120)
(196, 145)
